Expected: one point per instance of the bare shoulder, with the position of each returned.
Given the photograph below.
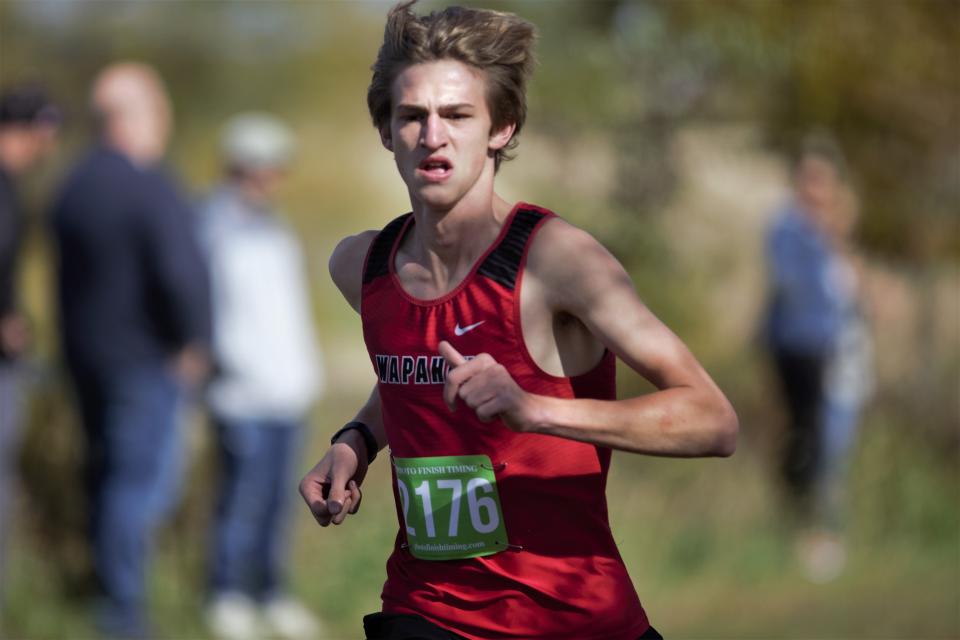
(572, 264)
(560, 244)
(346, 265)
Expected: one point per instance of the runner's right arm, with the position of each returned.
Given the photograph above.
(332, 488)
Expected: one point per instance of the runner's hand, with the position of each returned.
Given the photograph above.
(488, 389)
(332, 488)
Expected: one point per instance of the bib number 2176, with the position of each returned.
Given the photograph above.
(451, 508)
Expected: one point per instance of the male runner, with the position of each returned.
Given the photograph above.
(493, 329)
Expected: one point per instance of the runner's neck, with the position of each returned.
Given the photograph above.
(449, 243)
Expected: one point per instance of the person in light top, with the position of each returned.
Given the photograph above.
(268, 374)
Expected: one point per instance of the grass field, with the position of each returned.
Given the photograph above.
(704, 541)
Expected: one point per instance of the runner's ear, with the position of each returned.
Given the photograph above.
(500, 137)
(385, 138)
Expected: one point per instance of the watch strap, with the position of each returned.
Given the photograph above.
(368, 439)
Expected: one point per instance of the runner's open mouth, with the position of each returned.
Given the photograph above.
(435, 165)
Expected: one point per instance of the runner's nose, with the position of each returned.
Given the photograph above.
(433, 135)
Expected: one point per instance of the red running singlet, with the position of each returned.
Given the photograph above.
(561, 576)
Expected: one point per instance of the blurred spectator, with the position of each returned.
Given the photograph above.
(28, 127)
(820, 347)
(848, 383)
(268, 375)
(134, 305)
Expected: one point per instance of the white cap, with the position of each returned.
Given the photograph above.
(256, 141)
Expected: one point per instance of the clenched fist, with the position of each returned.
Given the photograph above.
(488, 389)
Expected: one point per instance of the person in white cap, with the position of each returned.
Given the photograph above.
(267, 376)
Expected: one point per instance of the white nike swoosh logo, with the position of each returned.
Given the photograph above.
(458, 330)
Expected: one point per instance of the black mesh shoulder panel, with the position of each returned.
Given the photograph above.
(503, 263)
(378, 258)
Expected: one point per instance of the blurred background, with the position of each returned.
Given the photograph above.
(666, 130)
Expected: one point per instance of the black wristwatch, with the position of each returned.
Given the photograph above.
(368, 439)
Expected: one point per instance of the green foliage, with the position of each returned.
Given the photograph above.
(881, 75)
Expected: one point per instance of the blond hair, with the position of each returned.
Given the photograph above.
(499, 44)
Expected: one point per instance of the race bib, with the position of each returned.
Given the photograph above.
(451, 508)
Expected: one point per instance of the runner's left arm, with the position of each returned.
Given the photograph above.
(688, 415)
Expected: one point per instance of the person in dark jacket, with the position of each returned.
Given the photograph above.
(135, 323)
(28, 128)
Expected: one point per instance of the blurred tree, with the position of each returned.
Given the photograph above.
(881, 74)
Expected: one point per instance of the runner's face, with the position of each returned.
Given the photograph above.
(440, 132)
